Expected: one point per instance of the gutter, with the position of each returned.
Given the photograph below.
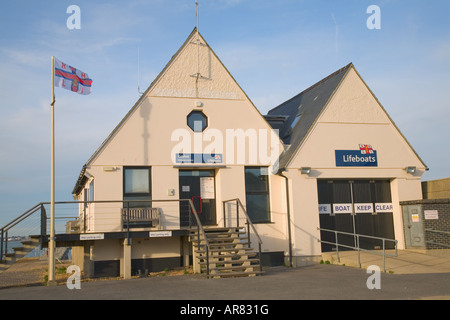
(80, 182)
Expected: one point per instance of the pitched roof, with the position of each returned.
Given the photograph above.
(295, 117)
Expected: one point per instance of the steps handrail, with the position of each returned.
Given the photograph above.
(202, 230)
(238, 201)
(21, 217)
(199, 224)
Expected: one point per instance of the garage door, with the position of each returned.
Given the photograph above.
(358, 207)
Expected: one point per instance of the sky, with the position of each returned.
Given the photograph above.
(274, 50)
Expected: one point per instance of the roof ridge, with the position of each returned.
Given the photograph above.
(314, 85)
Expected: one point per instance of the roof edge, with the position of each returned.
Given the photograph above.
(313, 86)
(347, 68)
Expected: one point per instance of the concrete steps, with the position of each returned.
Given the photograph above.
(19, 253)
(229, 254)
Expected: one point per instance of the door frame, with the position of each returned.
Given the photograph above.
(211, 217)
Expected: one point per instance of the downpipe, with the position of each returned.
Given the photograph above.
(280, 173)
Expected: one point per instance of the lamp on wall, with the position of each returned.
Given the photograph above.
(411, 170)
(305, 170)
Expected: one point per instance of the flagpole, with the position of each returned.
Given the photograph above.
(51, 245)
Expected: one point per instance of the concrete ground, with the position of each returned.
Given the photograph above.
(406, 262)
(428, 278)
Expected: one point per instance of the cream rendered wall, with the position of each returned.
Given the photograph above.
(156, 127)
(104, 217)
(304, 215)
(352, 117)
(275, 234)
(106, 250)
(155, 248)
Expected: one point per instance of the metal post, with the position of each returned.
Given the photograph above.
(337, 246)
(84, 216)
(207, 260)
(1, 246)
(128, 221)
(51, 245)
(248, 234)
(6, 243)
(260, 257)
(237, 213)
(43, 224)
(384, 256)
(224, 215)
(359, 251)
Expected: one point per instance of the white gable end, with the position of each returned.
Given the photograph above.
(179, 79)
(146, 134)
(354, 117)
(354, 103)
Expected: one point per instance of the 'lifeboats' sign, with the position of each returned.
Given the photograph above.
(364, 157)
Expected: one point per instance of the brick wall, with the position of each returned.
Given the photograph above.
(436, 189)
(441, 224)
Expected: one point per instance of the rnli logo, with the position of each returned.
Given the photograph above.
(366, 149)
(365, 156)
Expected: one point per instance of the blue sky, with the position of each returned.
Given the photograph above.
(274, 49)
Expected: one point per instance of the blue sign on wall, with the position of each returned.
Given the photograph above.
(364, 157)
(198, 158)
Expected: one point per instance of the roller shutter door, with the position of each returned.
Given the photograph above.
(356, 206)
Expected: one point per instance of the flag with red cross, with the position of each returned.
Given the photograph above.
(69, 78)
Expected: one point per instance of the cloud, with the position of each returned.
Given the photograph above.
(25, 57)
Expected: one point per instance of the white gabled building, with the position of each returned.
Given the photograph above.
(329, 157)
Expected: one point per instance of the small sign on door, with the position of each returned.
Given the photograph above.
(207, 188)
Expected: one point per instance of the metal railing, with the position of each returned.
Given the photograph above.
(447, 245)
(357, 246)
(200, 229)
(249, 223)
(74, 214)
(4, 231)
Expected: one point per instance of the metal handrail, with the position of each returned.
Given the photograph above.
(249, 223)
(437, 243)
(202, 230)
(438, 231)
(384, 254)
(22, 217)
(4, 230)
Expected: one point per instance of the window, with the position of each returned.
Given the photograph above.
(197, 121)
(137, 186)
(91, 191)
(89, 194)
(296, 120)
(257, 194)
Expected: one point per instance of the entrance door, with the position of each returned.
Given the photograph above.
(199, 186)
(413, 226)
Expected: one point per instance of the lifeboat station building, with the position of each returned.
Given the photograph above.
(195, 175)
